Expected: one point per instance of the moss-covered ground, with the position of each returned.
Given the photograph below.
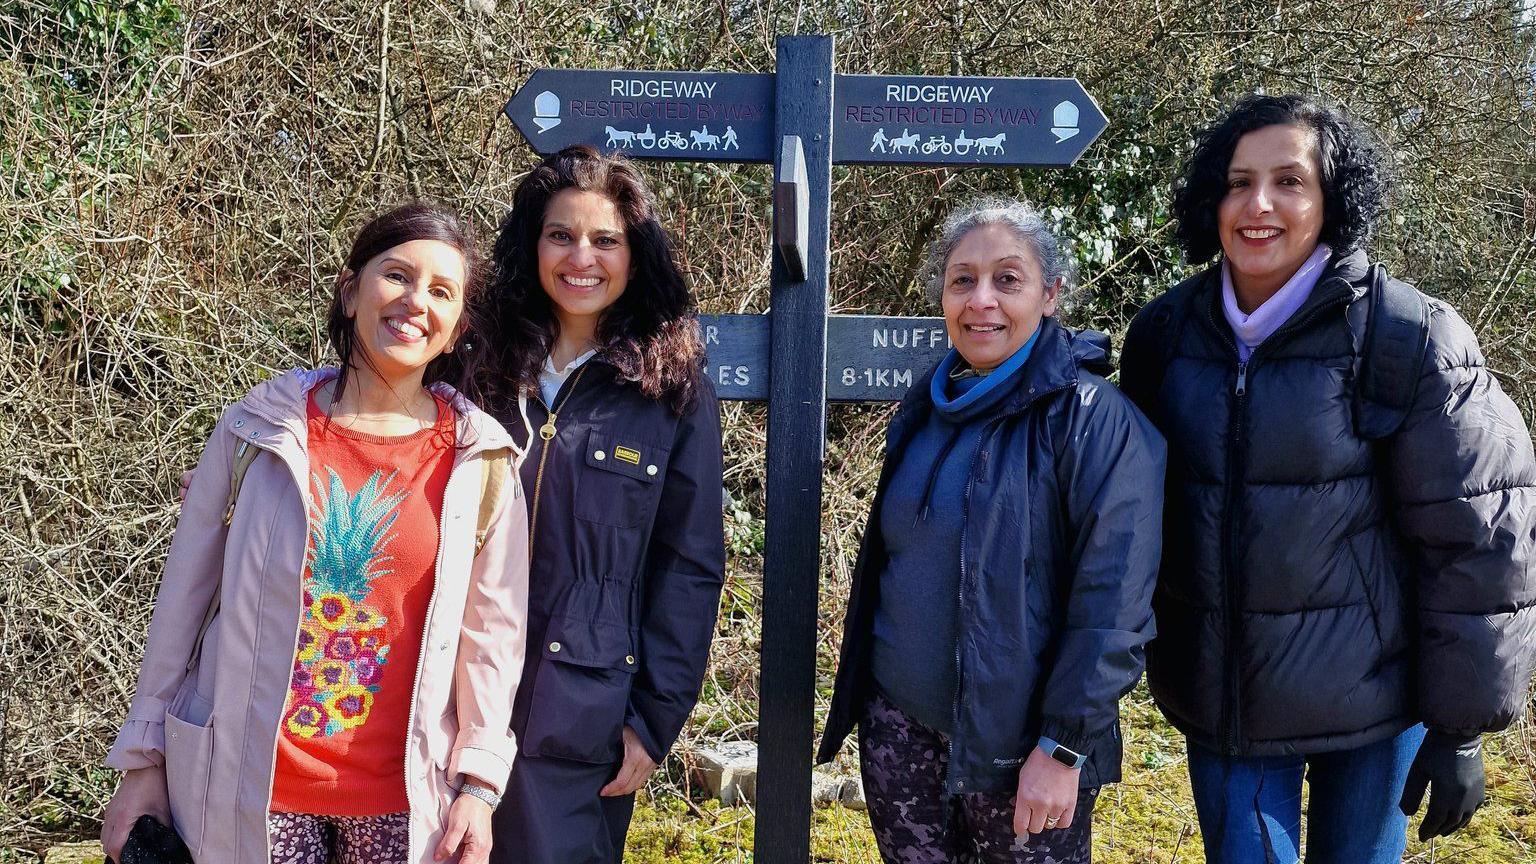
(1147, 819)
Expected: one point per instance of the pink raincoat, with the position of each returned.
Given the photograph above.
(212, 715)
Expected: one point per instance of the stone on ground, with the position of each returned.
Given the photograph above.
(729, 771)
(74, 853)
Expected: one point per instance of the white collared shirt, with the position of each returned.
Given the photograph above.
(552, 379)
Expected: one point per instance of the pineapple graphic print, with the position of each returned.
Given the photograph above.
(365, 587)
(343, 646)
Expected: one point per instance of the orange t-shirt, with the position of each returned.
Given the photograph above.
(368, 574)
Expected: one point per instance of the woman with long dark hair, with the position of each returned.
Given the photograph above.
(341, 618)
(1349, 528)
(596, 326)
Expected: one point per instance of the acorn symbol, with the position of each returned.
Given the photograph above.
(546, 111)
(1064, 120)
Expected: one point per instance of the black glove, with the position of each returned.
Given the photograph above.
(1452, 767)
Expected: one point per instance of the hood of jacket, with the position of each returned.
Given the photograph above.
(280, 402)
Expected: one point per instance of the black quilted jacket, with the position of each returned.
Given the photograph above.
(1320, 591)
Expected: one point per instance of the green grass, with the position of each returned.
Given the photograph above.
(1147, 819)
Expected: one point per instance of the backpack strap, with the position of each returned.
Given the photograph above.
(1391, 356)
(245, 454)
(491, 482)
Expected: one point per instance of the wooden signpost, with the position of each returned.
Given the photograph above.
(804, 117)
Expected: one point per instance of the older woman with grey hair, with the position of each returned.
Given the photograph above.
(1002, 596)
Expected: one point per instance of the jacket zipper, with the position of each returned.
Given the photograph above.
(965, 527)
(1236, 469)
(550, 414)
(965, 520)
(302, 484)
(421, 661)
(1231, 732)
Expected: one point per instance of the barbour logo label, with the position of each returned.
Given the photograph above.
(625, 454)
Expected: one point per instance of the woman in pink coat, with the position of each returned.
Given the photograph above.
(341, 616)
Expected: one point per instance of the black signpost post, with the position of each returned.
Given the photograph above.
(804, 117)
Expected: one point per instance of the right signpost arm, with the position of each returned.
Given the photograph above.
(797, 417)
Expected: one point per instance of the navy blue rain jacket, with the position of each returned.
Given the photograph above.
(627, 563)
(1063, 523)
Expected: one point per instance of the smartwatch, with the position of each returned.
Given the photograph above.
(1068, 757)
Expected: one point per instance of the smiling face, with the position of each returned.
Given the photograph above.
(584, 257)
(406, 306)
(1272, 214)
(994, 295)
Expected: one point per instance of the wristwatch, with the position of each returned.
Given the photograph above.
(1068, 757)
(476, 791)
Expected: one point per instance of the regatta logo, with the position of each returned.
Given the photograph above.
(625, 454)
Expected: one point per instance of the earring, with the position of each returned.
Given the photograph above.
(448, 350)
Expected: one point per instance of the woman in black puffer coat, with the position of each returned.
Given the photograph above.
(1349, 528)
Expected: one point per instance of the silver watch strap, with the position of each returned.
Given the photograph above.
(484, 794)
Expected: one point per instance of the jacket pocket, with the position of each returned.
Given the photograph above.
(620, 479)
(188, 763)
(581, 691)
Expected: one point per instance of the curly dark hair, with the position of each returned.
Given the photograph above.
(1354, 178)
(416, 220)
(650, 333)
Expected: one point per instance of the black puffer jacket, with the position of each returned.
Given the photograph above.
(1059, 553)
(1320, 591)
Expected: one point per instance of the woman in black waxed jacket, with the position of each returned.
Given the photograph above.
(596, 327)
(1349, 532)
(1003, 587)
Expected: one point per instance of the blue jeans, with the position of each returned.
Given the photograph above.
(1250, 807)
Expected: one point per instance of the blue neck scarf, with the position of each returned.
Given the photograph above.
(972, 395)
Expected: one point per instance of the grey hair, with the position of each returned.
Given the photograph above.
(1020, 217)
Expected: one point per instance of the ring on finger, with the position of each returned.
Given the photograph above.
(1052, 821)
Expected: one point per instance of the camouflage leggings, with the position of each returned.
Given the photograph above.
(904, 762)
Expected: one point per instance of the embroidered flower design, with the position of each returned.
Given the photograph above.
(343, 646)
(342, 650)
(305, 720)
(312, 639)
(347, 707)
(332, 610)
(369, 670)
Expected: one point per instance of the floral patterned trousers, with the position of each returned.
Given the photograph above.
(300, 838)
